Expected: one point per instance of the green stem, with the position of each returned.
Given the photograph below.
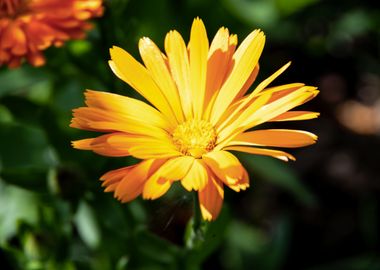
(195, 232)
(197, 219)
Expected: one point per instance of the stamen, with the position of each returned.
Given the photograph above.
(194, 137)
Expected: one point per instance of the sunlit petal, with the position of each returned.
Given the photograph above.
(211, 198)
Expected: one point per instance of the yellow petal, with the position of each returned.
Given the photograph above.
(267, 112)
(143, 147)
(114, 176)
(280, 106)
(246, 58)
(160, 181)
(261, 151)
(231, 127)
(249, 82)
(84, 144)
(218, 58)
(133, 181)
(95, 119)
(281, 90)
(178, 60)
(132, 72)
(125, 106)
(155, 63)
(268, 80)
(257, 113)
(224, 165)
(211, 198)
(152, 150)
(295, 116)
(123, 126)
(247, 101)
(109, 112)
(197, 176)
(198, 52)
(218, 66)
(100, 146)
(111, 187)
(275, 138)
(242, 183)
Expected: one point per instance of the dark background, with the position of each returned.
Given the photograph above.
(320, 212)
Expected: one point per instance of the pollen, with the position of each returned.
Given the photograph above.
(194, 137)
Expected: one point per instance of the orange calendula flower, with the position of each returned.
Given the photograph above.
(28, 27)
(199, 112)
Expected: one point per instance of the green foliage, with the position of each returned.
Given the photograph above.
(54, 214)
(279, 174)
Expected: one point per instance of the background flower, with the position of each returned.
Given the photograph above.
(28, 27)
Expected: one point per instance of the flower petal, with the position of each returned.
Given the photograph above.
(143, 147)
(95, 119)
(132, 183)
(112, 178)
(219, 65)
(132, 72)
(198, 52)
(178, 59)
(281, 105)
(234, 126)
(101, 146)
(251, 98)
(225, 166)
(242, 183)
(268, 80)
(261, 151)
(246, 58)
(275, 138)
(211, 198)
(109, 112)
(258, 113)
(197, 176)
(155, 63)
(249, 82)
(295, 116)
(160, 181)
(126, 106)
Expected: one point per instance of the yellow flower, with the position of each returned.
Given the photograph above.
(28, 27)
(199, 111)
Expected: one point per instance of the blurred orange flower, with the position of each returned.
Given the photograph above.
(29, 26)
(200, 111)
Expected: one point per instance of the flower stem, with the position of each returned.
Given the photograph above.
(195, 231)
(197, 219)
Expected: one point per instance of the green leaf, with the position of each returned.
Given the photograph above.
(209, 238)
(5, 115)
(274, 256)
(288, 7)
(87, 225)
(23, 147)
(251, 247)
(20, 80)
(246, 238)
(149, 251)
(261, 13)
(280, 174)
(16, 205)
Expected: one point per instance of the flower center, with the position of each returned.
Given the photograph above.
(194, 137)
(12, 7)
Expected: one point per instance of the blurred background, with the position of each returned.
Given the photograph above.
(320, 212)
